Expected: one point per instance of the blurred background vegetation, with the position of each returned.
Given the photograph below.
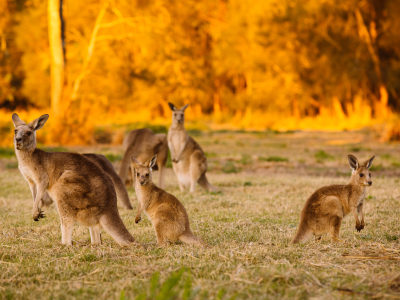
(264, 64)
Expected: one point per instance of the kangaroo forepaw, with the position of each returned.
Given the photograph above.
(137, 220)
(359, 227)
(39, 215)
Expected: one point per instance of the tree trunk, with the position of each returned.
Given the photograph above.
(57, 53)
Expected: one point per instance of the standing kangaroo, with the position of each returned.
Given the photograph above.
(164, 210)
(106, 166)
(324, 210)
(82, 191)
(143, 144)
(188, 159)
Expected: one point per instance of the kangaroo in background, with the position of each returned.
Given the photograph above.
(165, 211)
(106, 166)
(143, 144)
(324, 210)
(83, 192)
(188, 159)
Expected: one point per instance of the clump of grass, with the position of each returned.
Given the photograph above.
(246, 159)
(113, 157)
(210, 154)
(273, 159)
(376, 167)
(12, 165)
(230, 167)
(321, 155)
(195, 132)
(7, 152)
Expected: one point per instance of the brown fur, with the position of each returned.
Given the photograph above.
(188, 159)
(143, 144)
(324, 211)
(166, 212)
(106, 166)
(83, 192)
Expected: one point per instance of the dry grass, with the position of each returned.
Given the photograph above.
(249, 226)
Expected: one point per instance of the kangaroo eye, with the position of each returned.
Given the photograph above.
(361, 175)
(138, 174)
(28, 133)
(370, 175)
(147, 175)
(16, 131)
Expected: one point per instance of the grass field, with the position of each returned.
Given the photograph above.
(265, 179)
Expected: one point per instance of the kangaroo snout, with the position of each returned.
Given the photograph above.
(142, 180)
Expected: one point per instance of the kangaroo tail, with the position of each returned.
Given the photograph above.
(122, 193)
(189, 238)
(203, 181)
(302, 235)
(113, 225)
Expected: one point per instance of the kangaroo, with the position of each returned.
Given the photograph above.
(324, 210)
(165, 211)
(143, 143)
(106, 166)
(188, 159)
(83, 192)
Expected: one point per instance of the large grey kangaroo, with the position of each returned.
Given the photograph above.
(106, 166)
(188, 159)
(84, 193)
(144, 144)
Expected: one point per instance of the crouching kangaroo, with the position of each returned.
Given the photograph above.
(188, 159)
(324, 210)
(82, 191)
(169, 217)
(106, 166)
(143, 144)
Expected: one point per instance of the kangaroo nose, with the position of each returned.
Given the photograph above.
(18, 139)
(369, 182)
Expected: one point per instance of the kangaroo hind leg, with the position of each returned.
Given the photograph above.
(334, 229)
(95, 234)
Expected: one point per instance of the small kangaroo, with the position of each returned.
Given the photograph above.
(106, 166)
(143, 143)
(165, 211)
(83, 192)
(188, 159)
(324, 210)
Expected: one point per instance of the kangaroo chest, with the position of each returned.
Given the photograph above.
(177, 140)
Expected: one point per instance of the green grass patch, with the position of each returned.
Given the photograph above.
(321, 155)
(7, 152)
(246, 159)
(113, 157)
(230, 167)
(378, 167)
(273, 159)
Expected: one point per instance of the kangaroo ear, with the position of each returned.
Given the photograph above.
(151, 162)
(368, 163)
(39, 122)
(184, 107)
(172, 107)
(353, 162)
(17, 121)
(135, 162)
